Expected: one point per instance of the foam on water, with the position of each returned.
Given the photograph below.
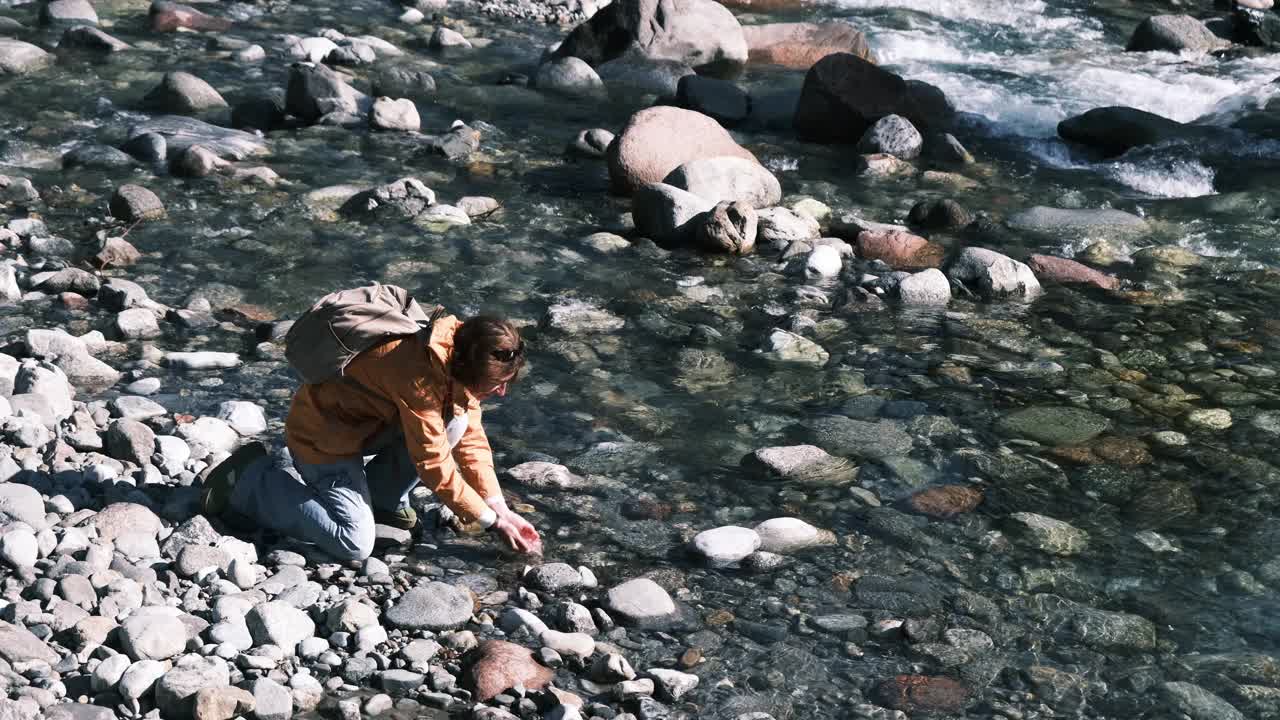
(1026, 66)
(1179, 178)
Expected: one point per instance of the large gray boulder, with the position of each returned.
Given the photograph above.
(20, 58)
(315, 91)
(1174, 33)
(728, 179)
(667, 214)
(700, 33)
(657, 140)
(569, 76)
(993, 275)
(184, 94)
(68, 12)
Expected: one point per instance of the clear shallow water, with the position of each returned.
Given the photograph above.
(678, 415)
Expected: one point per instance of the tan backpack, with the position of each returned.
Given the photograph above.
(343, 324)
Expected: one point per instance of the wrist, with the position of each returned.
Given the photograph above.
(497, 503)
(488, 519)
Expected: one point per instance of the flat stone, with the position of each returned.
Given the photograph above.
(1054, 425)
(640, 602)
(18, 645)
(434, 606)
(1050, 535)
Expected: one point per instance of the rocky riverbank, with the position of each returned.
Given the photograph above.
(839, 403)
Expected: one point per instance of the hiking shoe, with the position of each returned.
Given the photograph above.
(404, 519)
(215, 496)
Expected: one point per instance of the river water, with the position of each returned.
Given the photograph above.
(1182, 529)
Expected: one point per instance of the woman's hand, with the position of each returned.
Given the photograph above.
(518, 532)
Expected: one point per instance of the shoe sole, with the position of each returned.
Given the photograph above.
(224, 476)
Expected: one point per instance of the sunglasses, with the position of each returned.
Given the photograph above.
(508, 355)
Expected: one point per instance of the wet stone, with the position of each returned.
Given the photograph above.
(857, 438)
(1049, 535)
(922, 694)
(1054, 425)
(946, 501)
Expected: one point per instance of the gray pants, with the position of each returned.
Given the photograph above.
(333, 505)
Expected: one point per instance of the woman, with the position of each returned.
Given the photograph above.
(414, 404)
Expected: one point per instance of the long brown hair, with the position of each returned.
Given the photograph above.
(487, 351)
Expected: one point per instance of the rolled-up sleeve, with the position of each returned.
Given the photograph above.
(475, 458)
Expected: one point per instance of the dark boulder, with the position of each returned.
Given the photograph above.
(843, 95)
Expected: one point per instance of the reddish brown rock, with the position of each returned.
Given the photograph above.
(660, 139)
(922, 693)
(73, 301)
(116, 252)
(800, 45)
(899, 250)
(946, 501)
(168, 17)
(844, 94)
(1074, 454)
(1062, 270)
(1125, 451)
(496, 666)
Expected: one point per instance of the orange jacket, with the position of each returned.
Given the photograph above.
(400, 382)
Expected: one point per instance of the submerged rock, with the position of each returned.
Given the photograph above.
(1049, 535)
(801, 463)
(181, 132)
(1054, 425)
(788, 347)
(922, 694)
